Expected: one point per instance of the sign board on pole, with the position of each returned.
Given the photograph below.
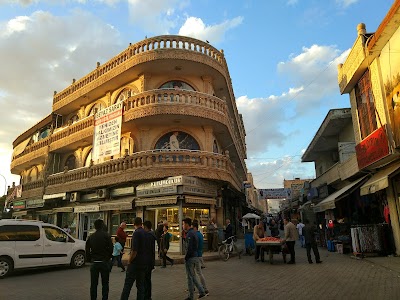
(107, 131)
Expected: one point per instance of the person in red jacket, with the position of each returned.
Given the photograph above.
(121, 234)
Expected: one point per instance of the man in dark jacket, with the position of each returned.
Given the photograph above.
(309, 237)
(229, 229)
(99, 250)
(164, 246)
(191, 260)
(150, 247)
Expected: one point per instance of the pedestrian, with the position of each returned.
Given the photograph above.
(116, 256)
(159, 233)
(99, 249)
(310, 243)
(191, 260)
(210, 235)
(300, 227)
(259, 233)
(136, 270)
(200, 262)
(67, 229)
(273, 227)
(164, 244)
(122, 235)
(291, 236)
(215, 235)
(151, 257)
(228, 229)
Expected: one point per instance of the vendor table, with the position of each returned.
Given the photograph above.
(272, 248)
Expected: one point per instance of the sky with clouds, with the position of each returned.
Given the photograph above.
(282, 56)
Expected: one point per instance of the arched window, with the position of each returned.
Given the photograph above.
(88, 158)
(95, 108)
(125, 94)
(177, 140)
(177, 85)
(70, 162)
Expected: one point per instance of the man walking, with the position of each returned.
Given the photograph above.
(136, 270)
(99, 249)
(121, 234)
(191, 259)
(309, 236)
(291, 236)
(200, 262)
(300, 227)
(164, 246)
(150, 250)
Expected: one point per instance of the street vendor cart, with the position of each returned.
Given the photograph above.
(272, 245)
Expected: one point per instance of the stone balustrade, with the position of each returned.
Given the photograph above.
(151, 162)
(151, 44)
(73, 128)
(34, 147)
(32, 185)
(171, 96)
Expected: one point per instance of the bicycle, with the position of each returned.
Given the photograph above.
(227, 248)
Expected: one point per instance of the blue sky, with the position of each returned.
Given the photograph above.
(282, 56)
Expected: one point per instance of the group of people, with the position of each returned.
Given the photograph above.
(102, 253)
(305, 233)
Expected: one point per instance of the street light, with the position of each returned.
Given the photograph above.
(5, 184)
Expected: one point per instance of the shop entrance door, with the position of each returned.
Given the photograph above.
(86, 224)
(150, 215)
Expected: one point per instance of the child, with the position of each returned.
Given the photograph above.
(118, 249)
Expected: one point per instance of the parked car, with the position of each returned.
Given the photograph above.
(28, 244)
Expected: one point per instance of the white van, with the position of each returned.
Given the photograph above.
(26, 244)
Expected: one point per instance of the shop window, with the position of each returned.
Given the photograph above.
(177, 140)
(70, 163)
(69, 219)
(116, 220)
(365, 105)
(177, 85)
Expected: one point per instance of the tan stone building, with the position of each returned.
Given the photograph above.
(181, 147)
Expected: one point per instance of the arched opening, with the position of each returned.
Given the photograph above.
(177, 85)
(177, 140)
(70, 163)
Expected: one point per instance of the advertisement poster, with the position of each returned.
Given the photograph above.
(390, 66)
(107, 131)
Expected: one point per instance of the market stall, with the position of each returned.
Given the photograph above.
(272, 245)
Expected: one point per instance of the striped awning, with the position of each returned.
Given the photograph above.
(156, 201)
(200, 200)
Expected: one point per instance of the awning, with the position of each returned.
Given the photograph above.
(156, 201)
(63, 209)
(308, 203)
(116, 205)
(55, 196)
(20, 213)
(21, 147)
(378, 181)
(200, 200)
(329, 202)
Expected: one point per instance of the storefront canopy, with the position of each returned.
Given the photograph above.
(378, 181)
(251, 216)
(329, 202)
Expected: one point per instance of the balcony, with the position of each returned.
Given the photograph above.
(354, 66)
(30, 155)
(144, 51)
(146, 165)
(32, 189)
(329, 177)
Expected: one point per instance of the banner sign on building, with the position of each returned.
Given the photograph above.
(34, 203)
(372, 148)
(281, 193)
(107, 131)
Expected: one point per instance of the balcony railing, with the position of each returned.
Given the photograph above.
(151, 44)
(146, 162)
(330, 176)
(71, 129)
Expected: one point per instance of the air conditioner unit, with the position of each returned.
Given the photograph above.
(74, 197)
(218, 204)
(102, 193)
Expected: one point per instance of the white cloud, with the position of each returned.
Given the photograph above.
(292, 2)
(196, 28)
(42, 53)
(346, 3)
(156, 16)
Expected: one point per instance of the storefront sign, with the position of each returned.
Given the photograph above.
(157, 191)
(116, 206)
(34, 203)
(19, 205)
(87, 208)
(199, 191)
(170, 181)
(107, 131)
(129, 190)
(55, 196)
(63, 209)
(372, 148)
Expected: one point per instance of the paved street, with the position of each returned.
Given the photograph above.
(338, 277)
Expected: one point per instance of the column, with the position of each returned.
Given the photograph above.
(394, 217)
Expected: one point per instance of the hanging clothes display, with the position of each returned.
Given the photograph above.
(370, 239)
